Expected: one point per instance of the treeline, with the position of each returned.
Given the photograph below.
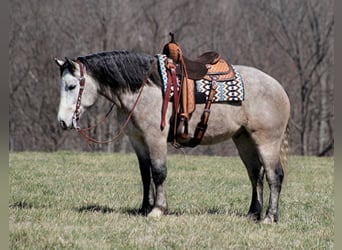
(290, 40)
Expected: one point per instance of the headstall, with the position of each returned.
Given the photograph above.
(77, 112)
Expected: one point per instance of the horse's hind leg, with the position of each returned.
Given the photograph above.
(270, 154)
(269, 147)
(250, 157)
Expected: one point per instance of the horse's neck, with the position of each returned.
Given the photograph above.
(103, 90)
(108, 94)
(122, 98)
(125, 99)
(148, 97)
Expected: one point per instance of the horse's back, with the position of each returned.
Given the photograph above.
(266, 103)
(258, 82)
(266, 108)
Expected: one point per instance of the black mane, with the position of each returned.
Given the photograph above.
(120, 69)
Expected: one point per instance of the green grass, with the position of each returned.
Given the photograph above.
(72, 200)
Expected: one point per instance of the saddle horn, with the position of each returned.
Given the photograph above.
(172, 49)
(172, 37)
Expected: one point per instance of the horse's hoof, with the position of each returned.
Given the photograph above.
(155, 213)
(269, 219)
(254, 217)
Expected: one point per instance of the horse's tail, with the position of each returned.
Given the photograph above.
(285, 148)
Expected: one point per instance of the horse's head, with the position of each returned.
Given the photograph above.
(78, 91)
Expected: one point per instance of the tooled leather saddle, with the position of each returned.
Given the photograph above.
(208, 66)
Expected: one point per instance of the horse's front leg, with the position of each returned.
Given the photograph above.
(152, 164)
(144, 159)
(159, 173)
(148, 185)
(157, 149)
(153, 173)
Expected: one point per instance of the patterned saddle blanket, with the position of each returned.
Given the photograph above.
(228, 89)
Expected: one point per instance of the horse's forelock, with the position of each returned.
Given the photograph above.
(67, 65)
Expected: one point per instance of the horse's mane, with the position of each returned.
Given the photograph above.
(120, 69)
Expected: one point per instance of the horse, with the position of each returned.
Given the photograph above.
(131, 80)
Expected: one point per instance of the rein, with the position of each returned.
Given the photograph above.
(76, 116)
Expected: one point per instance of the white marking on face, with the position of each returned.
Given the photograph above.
(69, 89)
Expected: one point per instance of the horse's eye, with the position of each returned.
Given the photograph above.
(71, 87)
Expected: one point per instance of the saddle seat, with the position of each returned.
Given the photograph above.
(197, 68)
(210, 57)
(208, 66)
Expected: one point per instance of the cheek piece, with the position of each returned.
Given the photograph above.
(76, 115)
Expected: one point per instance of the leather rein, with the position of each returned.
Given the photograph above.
(76, 115)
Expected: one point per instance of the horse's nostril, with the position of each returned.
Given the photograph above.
(63, 124)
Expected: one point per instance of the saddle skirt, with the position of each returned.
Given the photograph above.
(229, 87)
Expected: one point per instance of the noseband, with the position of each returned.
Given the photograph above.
(77, 112)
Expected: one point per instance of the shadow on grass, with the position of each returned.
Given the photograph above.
(22, 205)
(207, 211)
(95, 208)
(25, 204)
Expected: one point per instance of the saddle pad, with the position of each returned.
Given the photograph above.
(228, 90)
(162, 71)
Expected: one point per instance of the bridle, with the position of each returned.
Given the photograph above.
(76, 115)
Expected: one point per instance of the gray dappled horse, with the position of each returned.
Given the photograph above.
(258, 125)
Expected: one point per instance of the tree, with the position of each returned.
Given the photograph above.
(304, 34)
(291, 40)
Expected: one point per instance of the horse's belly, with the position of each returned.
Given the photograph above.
(224, 120)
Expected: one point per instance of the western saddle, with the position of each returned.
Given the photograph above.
(209, 66)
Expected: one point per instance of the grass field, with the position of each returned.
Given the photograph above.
(71, 200)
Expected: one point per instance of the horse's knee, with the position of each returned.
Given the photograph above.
(159, 173)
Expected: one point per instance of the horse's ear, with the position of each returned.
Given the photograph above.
(67, 60)
(70, 62)
(59, 62)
